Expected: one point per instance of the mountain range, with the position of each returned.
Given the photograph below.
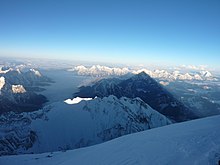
(168, 75)
(16, 90)
(119, 102)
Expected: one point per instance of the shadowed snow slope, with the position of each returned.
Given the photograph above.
(63, 126)
(192, 142)
(94, 121)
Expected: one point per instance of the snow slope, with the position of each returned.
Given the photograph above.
(94, 121)
(62, 126)
(192, 142)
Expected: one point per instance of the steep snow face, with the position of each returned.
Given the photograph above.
(70, 126)
(192, 142)
(76, 100)
(2, 82)
(18, 89)
(93, 121)
(36, 72)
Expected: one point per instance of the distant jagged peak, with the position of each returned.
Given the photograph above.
(36, 72)
(4, 71)
(18, 89)
(99, 70)
(19, 70)
(170, 75)
(206, 74)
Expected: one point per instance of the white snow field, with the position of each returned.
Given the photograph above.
(187, 143)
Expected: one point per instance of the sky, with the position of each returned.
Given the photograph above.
(125, 31)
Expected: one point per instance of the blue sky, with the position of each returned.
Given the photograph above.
(137, 31)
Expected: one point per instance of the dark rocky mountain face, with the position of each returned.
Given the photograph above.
(144, 87)
(24, 102)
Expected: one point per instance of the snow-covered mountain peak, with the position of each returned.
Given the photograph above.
(80, 68)
(2, 82)
(18, 70)
(18, 89)
(104, 71)
(36, 72)
(98, 70)
(4, 71)
(206, 74)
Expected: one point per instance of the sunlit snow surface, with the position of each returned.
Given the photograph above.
(2, 82)
(76, 100)
(192, 142)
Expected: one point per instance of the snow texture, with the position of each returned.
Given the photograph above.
(194, 142)
(63, 126)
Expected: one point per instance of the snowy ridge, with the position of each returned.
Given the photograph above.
(36, 72)
(69, 126)
(93, 121)
(100, 71)
(192, 142)
(2, 71)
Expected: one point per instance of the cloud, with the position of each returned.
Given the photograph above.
(194, 67)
